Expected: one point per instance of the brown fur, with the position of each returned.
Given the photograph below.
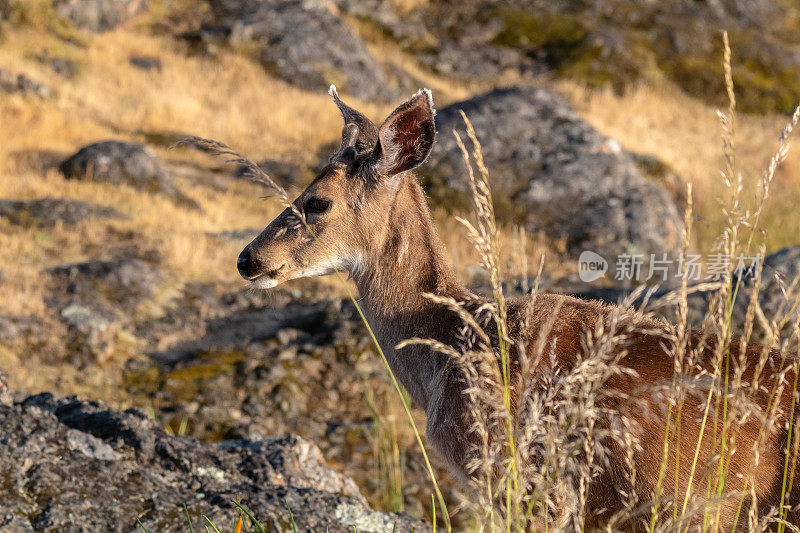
(380, 229)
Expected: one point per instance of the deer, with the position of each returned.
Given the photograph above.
(370, 219)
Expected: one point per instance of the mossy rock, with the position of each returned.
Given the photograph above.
(762, 82)
(656, 170)
(561, 38)
(564, 42)
(187, 382)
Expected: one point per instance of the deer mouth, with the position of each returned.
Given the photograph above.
(267, 280)
(263, 282)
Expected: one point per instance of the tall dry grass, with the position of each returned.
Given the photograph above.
(533, 464)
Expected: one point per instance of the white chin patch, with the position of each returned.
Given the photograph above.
(319, 270)
(343, 265)
(264, 283)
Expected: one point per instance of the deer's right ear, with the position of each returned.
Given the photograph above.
(405, 138)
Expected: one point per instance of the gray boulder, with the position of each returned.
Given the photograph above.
(118, 163)
(47, 212)
(107, 285)
(304, 42)
(67, 463)
(123, 163)
(779, 272)
(97, 299)
(146, 63)
(555, 173)
(100, 15)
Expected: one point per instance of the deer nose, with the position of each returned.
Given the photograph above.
(244, 265)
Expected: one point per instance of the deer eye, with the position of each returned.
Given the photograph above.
(316, 206)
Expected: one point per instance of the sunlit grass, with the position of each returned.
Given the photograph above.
(231, 99)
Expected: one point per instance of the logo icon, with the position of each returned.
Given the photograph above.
(591, 266)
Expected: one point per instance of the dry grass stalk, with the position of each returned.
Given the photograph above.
(535, 460)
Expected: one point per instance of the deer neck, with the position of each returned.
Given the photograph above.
(409, 262)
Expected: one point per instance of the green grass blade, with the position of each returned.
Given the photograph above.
(210, 523)
(782, 508)
(139, 522)
(188, 518)
(291, 516)
(433, 508)
(258, 527)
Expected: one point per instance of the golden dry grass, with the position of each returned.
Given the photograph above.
(226, 97)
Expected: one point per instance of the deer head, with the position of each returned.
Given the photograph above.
(335, 223)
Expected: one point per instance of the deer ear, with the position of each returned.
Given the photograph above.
(405, 138)
(358, 130)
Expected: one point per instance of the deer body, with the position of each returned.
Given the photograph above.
(370, 218)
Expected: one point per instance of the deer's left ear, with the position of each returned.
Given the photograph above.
(405, 138)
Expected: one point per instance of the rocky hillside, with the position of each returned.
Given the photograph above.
(72, 465)
(609, 42)
(117, 253)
